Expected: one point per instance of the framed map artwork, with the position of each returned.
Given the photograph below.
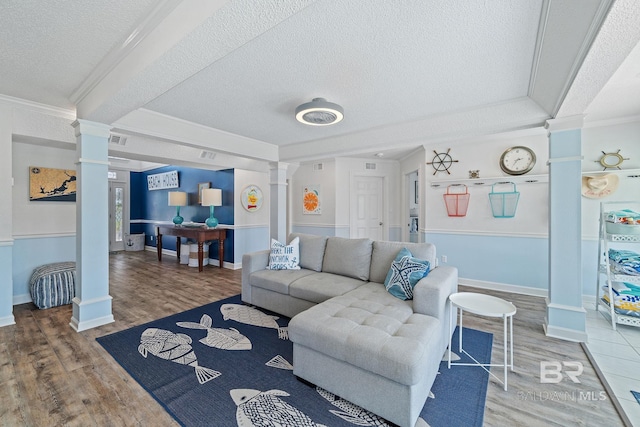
(48, 184)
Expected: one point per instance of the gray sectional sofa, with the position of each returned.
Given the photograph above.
(350, 336)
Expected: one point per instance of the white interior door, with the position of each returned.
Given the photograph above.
(116, 216)
(367, 208)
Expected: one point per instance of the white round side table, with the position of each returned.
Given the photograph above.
(488, 306)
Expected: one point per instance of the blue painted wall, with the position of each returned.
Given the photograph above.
(153, 205)
(48, 250)
(517, 261)
(6, 305)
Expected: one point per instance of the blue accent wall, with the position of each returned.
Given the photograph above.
(153, 205)
(518, 261)
(49, 250)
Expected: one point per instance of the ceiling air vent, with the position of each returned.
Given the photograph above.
(318, 166)
(117, 139)
(370, 166)
(207, 155)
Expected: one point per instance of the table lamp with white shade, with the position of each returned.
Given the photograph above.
(211, 197)
(177, 199)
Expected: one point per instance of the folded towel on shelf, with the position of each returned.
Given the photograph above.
(619, 216)
(624, 307)
(627, 269)
(617, 296)
(619, 255)
(625, 288)
(624, 262)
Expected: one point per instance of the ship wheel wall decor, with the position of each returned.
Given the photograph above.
(611, 160)
(442, 162)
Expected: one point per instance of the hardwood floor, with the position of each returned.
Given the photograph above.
(51, 375)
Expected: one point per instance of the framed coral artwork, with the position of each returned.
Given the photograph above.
(311, 200)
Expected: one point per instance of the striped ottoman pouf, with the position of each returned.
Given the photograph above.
(52, 285)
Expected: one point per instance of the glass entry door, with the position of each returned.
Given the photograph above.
(116, 216)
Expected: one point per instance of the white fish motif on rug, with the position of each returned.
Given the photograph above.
(351, 412)
(175, 348)
(357, 415)
(224, 339)
(280, 363)
(265, 409)
(251, 316)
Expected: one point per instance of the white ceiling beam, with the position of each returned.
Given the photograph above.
(565, 34)
(517, 114)
(181, 132)
(617, 38)
(169, 23)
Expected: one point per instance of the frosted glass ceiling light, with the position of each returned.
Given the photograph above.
(319, 112)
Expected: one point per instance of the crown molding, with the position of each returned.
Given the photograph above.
(37, 107)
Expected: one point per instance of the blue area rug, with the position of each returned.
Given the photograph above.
(225, 363)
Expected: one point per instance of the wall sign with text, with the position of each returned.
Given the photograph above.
(160, 181)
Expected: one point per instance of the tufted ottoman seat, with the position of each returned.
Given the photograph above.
(53, 284)
(370, 348)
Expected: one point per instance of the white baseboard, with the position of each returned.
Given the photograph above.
(6, 321)
(587, 300)
(213, 261)
(21, 299)
(505, 287)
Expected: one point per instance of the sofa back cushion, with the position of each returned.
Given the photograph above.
(311, 250)
(348, 257)
(384, 253)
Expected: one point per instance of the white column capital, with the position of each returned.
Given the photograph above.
(86, 127)
(565, 123)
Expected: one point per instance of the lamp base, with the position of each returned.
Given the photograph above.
(211, 222)
(177, 220)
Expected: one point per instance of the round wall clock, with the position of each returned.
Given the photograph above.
(517, 160)
(611, 160)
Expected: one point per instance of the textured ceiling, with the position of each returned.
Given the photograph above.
(231, 73)
(49, 48)
(383, 64)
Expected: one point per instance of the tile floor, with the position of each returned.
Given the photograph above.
(617, 354)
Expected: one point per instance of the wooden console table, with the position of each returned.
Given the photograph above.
(200, 235)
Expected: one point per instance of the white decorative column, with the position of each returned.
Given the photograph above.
(92, 303)
(278, 201)
(6, 222)
(566, 317)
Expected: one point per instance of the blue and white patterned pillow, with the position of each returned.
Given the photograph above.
(284, 257)
(406, 271)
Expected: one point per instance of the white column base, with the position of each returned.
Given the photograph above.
(91, 314)
(8, 320)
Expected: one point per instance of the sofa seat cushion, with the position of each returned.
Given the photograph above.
(371, 329)
(277, 280)
(319, 287)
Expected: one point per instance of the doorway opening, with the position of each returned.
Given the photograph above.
(413, 206)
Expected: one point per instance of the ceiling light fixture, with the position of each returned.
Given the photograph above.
(319, 112)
